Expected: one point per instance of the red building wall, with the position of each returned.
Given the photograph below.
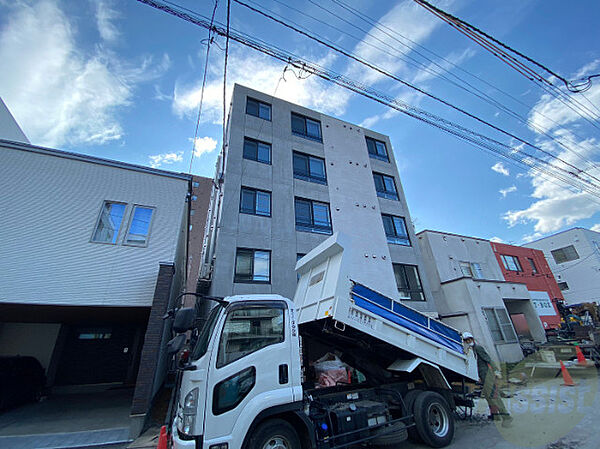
(543, 280)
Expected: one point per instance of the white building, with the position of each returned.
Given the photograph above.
(92, 252)
(574, 258)
(471, 294)
(290, 178)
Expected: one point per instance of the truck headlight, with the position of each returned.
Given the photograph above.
(190, 408)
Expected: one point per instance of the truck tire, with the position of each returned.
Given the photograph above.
(275, 434)
(409, 401)
(394, 437)
(433, 419)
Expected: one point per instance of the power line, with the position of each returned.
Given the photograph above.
(392, 33)
(481, 141)
(575, 88)
(575, 173)
(412, 61)
(225, 84)
(208, 44)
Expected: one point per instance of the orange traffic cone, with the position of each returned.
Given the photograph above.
(162, 439)
(566, 376)
(580, 357)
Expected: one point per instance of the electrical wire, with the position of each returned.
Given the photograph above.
(577, 171)
(208, 44)
(415, 63)
(481, 141)
(585, 83)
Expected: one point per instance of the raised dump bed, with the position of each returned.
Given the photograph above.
(327, 290)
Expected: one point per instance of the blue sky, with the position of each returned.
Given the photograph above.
(121, 80)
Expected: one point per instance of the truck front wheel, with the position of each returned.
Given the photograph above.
(433, 419)
(275, 434)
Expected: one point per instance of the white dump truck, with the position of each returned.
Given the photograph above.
(339, 365)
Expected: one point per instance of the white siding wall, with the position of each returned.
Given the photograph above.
(582, 275)
(49, 207)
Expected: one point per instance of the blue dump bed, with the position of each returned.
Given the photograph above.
(411, 319)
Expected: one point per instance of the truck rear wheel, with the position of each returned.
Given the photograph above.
(275, 434)
(433, 419)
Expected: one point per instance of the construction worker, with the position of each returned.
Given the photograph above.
(489, 374)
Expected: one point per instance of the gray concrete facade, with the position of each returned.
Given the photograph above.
(350, 192)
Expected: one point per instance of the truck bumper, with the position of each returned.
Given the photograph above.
(178, 443)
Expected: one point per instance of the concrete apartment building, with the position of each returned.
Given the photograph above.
(471, 294)
(574, 258)
(528, 266)
(291, 177)
(93, 251)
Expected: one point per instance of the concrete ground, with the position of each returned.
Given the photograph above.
(68, 420)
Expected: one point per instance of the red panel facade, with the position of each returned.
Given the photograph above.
(523, 272)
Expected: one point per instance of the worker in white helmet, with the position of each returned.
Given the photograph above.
(489, 374)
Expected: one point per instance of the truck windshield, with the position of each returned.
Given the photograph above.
(206, 332)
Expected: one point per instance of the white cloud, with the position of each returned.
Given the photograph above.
(59, 94)
(595, 228)
(496, 240)
(508, 190)
(550, 112)
(262, 73)
(204, 145)
(165, 158)
(105, 14)
(499, 167)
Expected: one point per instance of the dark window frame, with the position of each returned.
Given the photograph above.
(312, 227)
(397, 239)
(515, 259)
(411, 290)
(563, 256)
(534, 268)
(386, 193)
(375, 155)
(258, 104)
(304, 133)
(254, 211)
(251, 140)
(562, 284)
(240, 280)
(309, 177)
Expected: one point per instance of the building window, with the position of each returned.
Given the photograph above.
(109, 222)
(408, 282)
(385, 186)
(511, 263)
(255, 202)
(298, 257)
(257, 151)
(477, 270)
(532, 264)
(258, 108)
(312, 216)
(309, 168)
(500, 326)
(563, 286)
(566, 254)
(377, 149)
(252, 266)
(139, 227)
(306, 127)
(395, 229)
(195, 184)
(465, 268)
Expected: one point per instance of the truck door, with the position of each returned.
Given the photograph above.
(249, 370)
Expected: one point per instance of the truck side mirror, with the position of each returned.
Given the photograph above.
(175, 344)
(184, 320)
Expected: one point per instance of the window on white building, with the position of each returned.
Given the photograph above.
(477, 270)
(139, 226)
(252, 265)
(109, 222)
(500, 325)
(465, 269)
(566, 254)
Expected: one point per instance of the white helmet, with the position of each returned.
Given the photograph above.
(466, 335)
